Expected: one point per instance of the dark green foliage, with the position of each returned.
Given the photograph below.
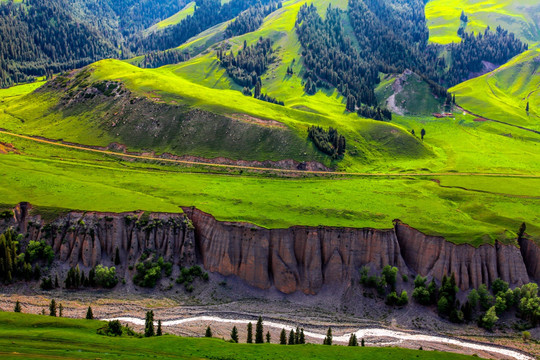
(328, 339)
(489, 319)
(283, 337)
(499, 286)
(73, 278)
(159, 331)
(522, 229)
(353, 341)
(52, 308)
(249, 333)
(17, 307)
(529, 303)
(302, 337)
(390, 275)
(268, 337)
(149, 324)
(292, 338)
(9, 260)
(115, 328)
(46, 284)
(330, 58)
(149, 271)
(89, 314)
(329, 142)
(41, 37)
(157, 59)
(251, 19)
(486, 300)
(259, 331)
(393, 299)
(60, 310)
(188, 275)
(208, 332)
(362, 343)
(423, 133)
(234, 334)
(6, 215)
(375, 112)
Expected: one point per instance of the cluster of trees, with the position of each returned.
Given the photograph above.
(100, 276)
(251, 19)
(40, 37)
(375, 112)
(149, 330)
(15, 264)
(496, 47)
(330, 58)
(157, 59)
(150, 271)
(481, 305)
(385, 285)
(247, 67)
(329, 142)
(207, 14)
(188, 275)
(295, 337)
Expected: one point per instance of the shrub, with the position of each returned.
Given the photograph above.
(106, 277)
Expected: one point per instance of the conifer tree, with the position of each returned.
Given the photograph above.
(117, 257)
(208, 332)
(17, 307)
(363, 343)
(353, 341)
(328, 338)
(302, 337)
(423, 133)
(268, 337)
(159, 332)
(259, 337)
(234, 334)
(249, 333)
(291, 338)
(60, 310)
(283, 337)
(89, 314)
(149, 324)
(297, 336)
(527, 108)
(52, 308)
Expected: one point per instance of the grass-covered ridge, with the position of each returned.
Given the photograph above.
(43, 337)
(519, 17)
(504, 93)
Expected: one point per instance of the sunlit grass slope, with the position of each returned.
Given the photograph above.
(25, 336)
(520, 17)
(504, 93)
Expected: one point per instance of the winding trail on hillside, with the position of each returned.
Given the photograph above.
(400, 336)
(254, 168)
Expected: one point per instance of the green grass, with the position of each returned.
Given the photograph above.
(443, 18)
(189, 9)
(42, 337)
(503, 94)
(51, 177)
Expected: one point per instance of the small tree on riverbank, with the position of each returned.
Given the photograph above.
(234, 334)
(89, 314)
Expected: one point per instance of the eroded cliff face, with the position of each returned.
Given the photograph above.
(435, 257)
(88, 239)
(299, 258)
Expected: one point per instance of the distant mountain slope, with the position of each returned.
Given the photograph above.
(504, 93)
(521, 17)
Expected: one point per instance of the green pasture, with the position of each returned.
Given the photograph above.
(25, 336)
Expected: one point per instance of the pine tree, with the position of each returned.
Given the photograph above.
(328, 338)
(149, 324)
(60, 310)
(283, 337)
(353, 341)
(52, 308)
(527, 108)
(159, 332)
(291, 338)
(208, 332)
(117, 257)
(268, 337)
(234, 334)
(249, 333)
(17, 307)
(363, 343)
(297, 336)
(89, 314)
(422, 134)
(302, 337)
(259, 336)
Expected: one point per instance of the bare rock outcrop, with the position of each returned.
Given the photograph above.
(435, 257)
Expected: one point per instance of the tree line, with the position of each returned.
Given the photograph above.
(251, 19)
(329, 142)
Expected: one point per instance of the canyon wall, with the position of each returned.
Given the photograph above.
(299, 258)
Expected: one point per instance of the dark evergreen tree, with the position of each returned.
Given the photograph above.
(234, 334)
(249, 333)
(159, 331)
(117, 257)
(268, 337)
(89, 314)
(353, 341)
(302, 339)
(292, 339)
(328, 339)
(423, 133)
(283, 337)
(52, 308)
(208, 332)
(149, 324)
(17, 307)
(259, 334)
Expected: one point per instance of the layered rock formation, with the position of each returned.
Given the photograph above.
(299, 258)
(91, 238)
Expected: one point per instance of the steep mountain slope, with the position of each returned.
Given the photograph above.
(521, 17)
(509, 94)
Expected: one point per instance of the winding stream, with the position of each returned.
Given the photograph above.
(361, 333)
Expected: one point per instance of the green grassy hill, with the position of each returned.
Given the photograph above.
(42, 337)
(504, 93)
(520, 17)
